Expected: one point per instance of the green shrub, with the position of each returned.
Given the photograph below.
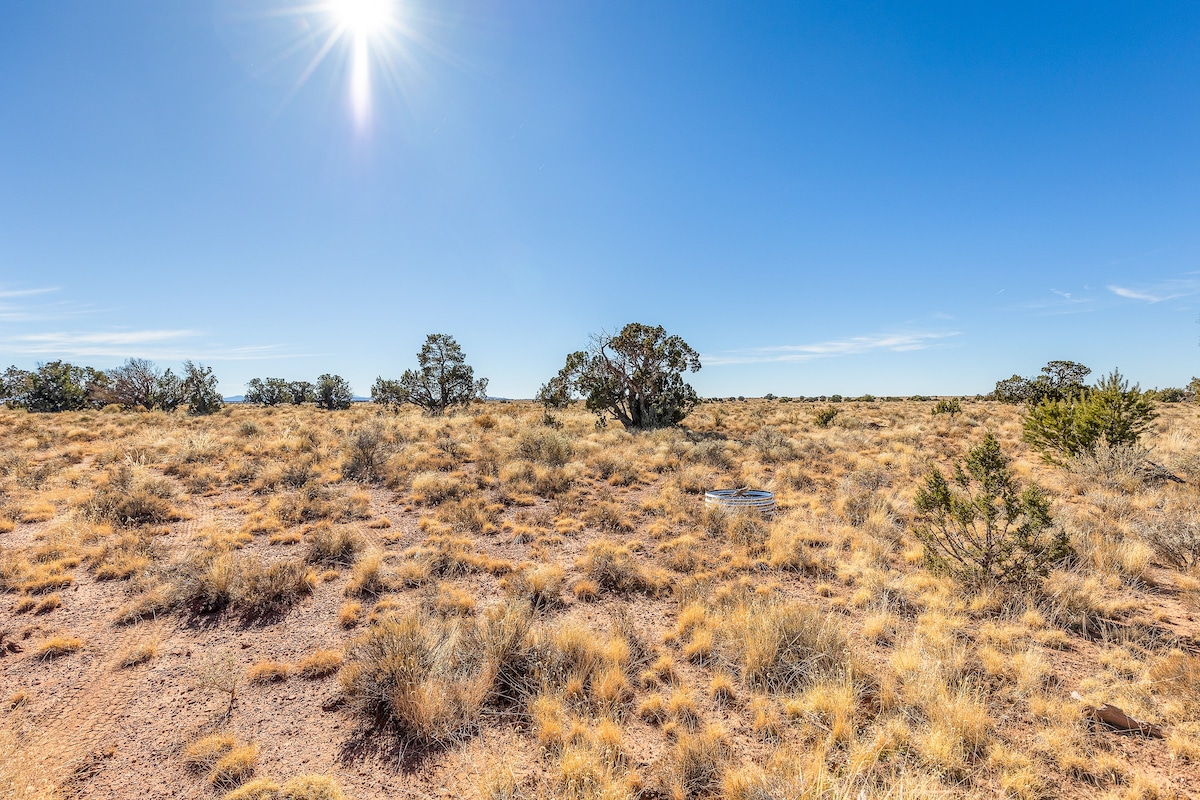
(1110, 412)
(981, 529)
(951, 407)
(825, 416)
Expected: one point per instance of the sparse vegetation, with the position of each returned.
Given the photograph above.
(549, 611)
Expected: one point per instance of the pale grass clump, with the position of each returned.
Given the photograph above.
(699, 760)
(1086, 605)
(422, 673)
(450, 600)
(433, 488)
(616, 569)
(203, 754)
(335, 546)
(319, 664)
(540, 584)
(370, 578)
(783, 646)
(235, 767)
(209, 581)
(57, 647)
(267, 672)
(828, 709)
(137, 653)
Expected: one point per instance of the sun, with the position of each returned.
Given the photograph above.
(362, 18)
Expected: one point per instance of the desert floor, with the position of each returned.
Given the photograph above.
(489, 605)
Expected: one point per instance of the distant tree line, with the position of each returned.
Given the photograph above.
(138, 383)
(634, 376)
(331, 392)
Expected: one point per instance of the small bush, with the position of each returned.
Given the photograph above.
(615, 568)
(1110, 412)
(329, 545)
(421, 673)
(981, 529)
(951, 407)
(824, 417)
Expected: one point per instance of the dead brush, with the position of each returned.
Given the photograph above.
(541, 585)
(615, 568)
(782, 646)
(424, 675)
(206, 582)
(333, 546)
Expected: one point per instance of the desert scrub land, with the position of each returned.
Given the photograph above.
(293, 603)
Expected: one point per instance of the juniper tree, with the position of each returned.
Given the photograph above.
(636, 376)
(442, 380)
(981, 528)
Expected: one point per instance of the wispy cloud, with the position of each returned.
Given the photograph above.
(165, 345)
(1159, 292)
(19, 307)
(1064, 302)
(790, 353)
(16, 305)
(27, 292)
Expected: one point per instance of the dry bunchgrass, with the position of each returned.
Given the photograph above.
(561, 589)
(58, 646)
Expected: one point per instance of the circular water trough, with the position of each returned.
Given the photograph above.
(742, 500)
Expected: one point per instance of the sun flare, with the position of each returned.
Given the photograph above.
(362, 17)
(362, 21)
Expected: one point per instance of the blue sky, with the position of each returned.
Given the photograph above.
(819, 197)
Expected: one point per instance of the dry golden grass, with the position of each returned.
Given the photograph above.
(557, 601)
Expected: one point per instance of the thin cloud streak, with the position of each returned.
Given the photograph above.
(27, 292)
(24, 311)
(164, 345)
(1159, 292)
(793, 353)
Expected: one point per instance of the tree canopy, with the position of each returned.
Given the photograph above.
(442, 380)
(636, 376)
